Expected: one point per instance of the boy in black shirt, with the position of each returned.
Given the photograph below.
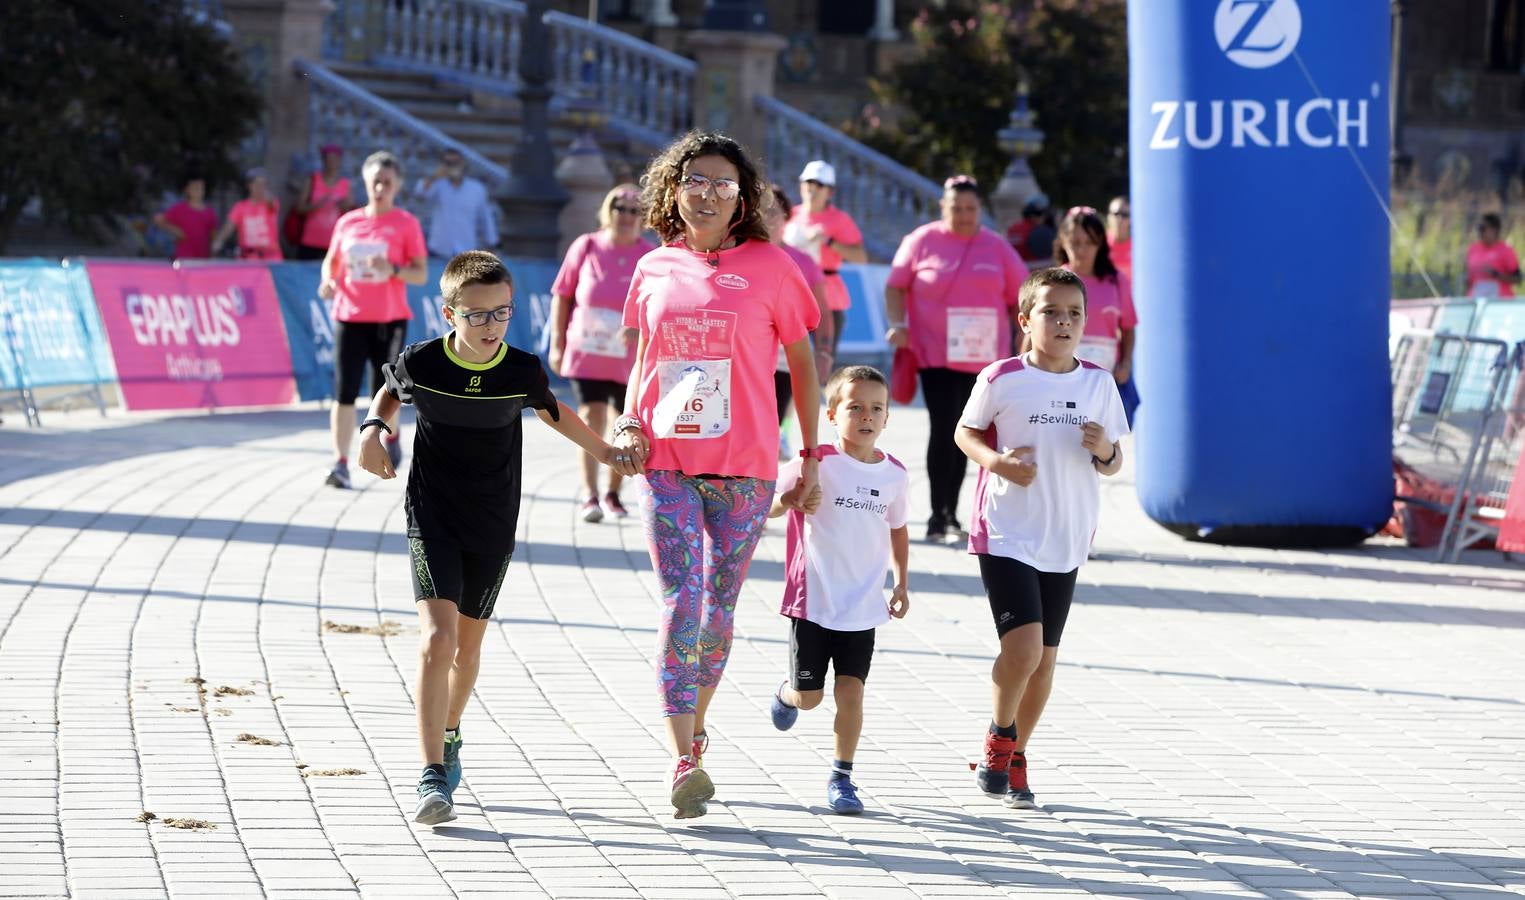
(469, 389)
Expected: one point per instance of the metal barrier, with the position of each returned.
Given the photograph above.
(1478, 509)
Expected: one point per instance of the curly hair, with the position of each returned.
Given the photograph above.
(661, 182)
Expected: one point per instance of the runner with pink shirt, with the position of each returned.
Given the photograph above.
(1120, 234)
(712, 307)
(190, 222)
(1492, 267)
(951, 298)
(589, 344)
(254, 218)
(828, 236)
(324, 199)
(777, 218)
(1083, 248)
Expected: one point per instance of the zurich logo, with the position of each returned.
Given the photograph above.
(1257, 34)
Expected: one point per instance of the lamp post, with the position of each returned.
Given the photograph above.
(1022, 139)
(533, 197)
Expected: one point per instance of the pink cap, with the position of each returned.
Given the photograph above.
(330, 148)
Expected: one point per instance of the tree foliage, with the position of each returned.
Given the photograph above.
(107, 104)
(940, 112)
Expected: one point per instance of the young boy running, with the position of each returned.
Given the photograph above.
(835, 565)
(470, 389)
(1042, 427)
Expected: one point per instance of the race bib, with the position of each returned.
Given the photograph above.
(256, 232)
(1098, 350)
(361, 258)
(973, 334)
(695, 399)
(598, 332)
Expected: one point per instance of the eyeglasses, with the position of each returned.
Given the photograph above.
(698, 186)
(478, 318)
(633, 210)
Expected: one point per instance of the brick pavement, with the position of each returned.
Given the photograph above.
(1226, 722)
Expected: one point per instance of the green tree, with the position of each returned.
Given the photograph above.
(942, 110)
(107, 104)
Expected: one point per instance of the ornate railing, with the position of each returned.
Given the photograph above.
(886, 199)
(473, 41)
(641, 87)
(343, 114)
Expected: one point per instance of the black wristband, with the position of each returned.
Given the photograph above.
(1110, 460)
(379, 423)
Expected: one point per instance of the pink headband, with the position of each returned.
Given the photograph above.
(1081, 211)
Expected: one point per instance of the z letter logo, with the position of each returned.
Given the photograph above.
(1257, 34)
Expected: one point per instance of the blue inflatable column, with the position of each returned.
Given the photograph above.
(1259, 145)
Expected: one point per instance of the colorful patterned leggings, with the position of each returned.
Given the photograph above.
(702, 533)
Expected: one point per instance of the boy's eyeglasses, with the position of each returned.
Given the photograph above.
(479, 318)
(698, 186)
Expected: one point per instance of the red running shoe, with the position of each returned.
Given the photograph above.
(991, 774)
(691, 788)
(614, 507)
(1018, 795)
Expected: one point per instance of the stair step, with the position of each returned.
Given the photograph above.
(439, 114)
(363, 72)
(408, 90)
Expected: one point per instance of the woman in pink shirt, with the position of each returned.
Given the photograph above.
(589, 344)
(325, 198)
(951, 298)
(190, 222)
(1110, 318)
(255, 220)
(828, 235)
(712, 306)
(777, 218)
(1492, 267)
(1120, 234)
(375, 253)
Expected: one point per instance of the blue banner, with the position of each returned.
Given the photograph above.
(50, 330)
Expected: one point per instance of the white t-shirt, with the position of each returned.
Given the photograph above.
(1049, 523)
(836, 558)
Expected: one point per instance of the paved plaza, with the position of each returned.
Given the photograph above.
(192, 626)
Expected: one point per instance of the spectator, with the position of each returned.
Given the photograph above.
(460, 215)
(1120, 235)
(190, 222)
(1033, 235)
(254, 218)
(323, 201)
(1492, 267)
(828, 236)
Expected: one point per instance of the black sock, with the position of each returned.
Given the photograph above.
(841, 768)
(1010, 731)
(436, 768)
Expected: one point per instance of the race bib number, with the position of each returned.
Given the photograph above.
(367, 262)
(695, 399)
(256, 232)
(598, 332)
(973, 334)
(1098, 350)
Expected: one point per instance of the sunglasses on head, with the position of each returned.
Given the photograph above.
(478, 318)
(698, 186)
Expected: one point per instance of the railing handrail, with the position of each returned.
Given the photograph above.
(322, 75)
(847, 146)
(681, 64)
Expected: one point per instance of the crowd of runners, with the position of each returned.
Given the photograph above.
(684, 356)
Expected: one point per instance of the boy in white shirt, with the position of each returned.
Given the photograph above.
(1042, 426)
(835, 565)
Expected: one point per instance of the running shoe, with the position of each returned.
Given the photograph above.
(784, 715)
(453, 761)
(434, 804)
(992, 773)
(842, 796)
(955, 533)
(701, 744)
(614, 507)
(338, 476)
(691, 788)
(394, 452)
(1018, 794)
(937, 531)
(591, 511)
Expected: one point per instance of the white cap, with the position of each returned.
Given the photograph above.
(819, 170)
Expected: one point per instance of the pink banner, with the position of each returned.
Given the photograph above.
(194, 336)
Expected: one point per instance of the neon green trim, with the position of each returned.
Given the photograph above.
(475, 367)
(431, 390)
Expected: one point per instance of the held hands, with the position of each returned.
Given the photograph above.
(634, 447)
(900, 601)
(898, 336)
(1016, 466)
(373, 456)
(620, 460)
(1093, 437)
(806, 503)
(808, 488)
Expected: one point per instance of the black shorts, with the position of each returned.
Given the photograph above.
(1021, 595)
(443, 571)
(783, 392)
(599, 390)
(359, 346)
(811, 646)
(306, 252)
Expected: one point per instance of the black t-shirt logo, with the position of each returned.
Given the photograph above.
(474, 386)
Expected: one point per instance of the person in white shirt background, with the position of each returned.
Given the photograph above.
(459, 210)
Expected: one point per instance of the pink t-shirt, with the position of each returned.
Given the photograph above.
(1480, 257)
(596, 275)
(1122, 256)
(958, 312)
(257, 237)
(838, 226)
(198, 225)
(1109, 310)
(318, 226)
(813, 277)
(367, 291)
(705, 388)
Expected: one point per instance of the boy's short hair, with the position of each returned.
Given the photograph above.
(469, 268)
(1027, 297)
(849, 374)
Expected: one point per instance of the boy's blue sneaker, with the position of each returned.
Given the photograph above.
(453, 761)
(784, 715)
(434, 804)
(842, 796)
(338, 476)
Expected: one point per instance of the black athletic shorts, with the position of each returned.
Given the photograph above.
(443, 571)
(599, 390)
(811, 647)
(1021, 595)
(783, 392)
(359, 346)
